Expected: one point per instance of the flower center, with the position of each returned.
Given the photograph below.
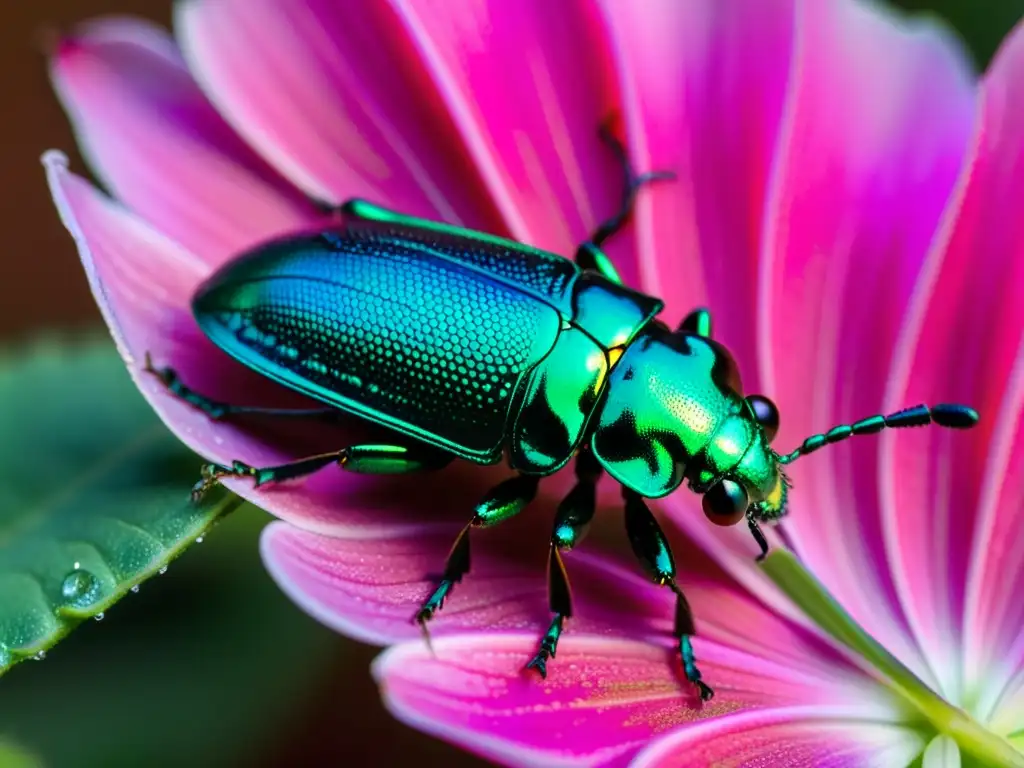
(937, 715)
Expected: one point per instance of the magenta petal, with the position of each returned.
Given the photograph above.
(161, 148)
(704, 83)
(603, 700)
(337, 100)
(796, 737)
(955, 497)
(143, 283)
(528, 83)
(877, 128)
(369, 588)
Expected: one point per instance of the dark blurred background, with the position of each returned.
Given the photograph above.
(209, 665)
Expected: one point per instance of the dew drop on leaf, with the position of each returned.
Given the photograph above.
(99, 616)
(80, 588)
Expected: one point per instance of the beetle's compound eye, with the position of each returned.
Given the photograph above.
(725, 503)
(767, 415)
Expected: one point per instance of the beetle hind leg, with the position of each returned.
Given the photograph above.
(217, 410)
(364, 459)
(571, 523)
(502, 502)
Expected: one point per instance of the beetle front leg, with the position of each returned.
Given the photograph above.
(652, 550)
(571, 523)
(365, 459)
(502, 502)
(217, 410)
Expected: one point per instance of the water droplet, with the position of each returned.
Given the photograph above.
(199, 539)
(163, 570)
(77, 565)
(135, 588)
(80, 588)
(99, 616)
(39, 656)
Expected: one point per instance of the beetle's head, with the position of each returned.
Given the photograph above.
(674, 411)
(740, 479)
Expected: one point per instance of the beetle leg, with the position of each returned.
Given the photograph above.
(571, 523)
(758, 535)
(502, 502)
(216, 410)
(589, 255)
(364, 459)
(652, 550)
(698, 322)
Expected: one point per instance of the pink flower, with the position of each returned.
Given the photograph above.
(846, 203)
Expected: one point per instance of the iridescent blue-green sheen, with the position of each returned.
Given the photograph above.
(469, 344)
(674, 410)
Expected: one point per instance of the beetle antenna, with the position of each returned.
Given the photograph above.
(944, 415)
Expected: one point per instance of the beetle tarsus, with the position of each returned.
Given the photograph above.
(456, 566)
(690, 668)
(548, 646)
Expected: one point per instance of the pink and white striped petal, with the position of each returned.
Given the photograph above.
(339, 101)
(703, 88)
(528, 84)
(142, 282)
(796, 737)
(161, 148)
(954, 497)
(603, 700)
(877, 126)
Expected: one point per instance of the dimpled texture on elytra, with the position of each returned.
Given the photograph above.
(392, 328)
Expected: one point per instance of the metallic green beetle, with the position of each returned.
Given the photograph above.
(475, 347)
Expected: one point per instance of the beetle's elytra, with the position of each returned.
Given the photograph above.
(475, 347)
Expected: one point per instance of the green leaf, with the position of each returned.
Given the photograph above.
(208, 665)
(94, 492)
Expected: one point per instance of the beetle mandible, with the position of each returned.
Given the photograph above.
(470, 346)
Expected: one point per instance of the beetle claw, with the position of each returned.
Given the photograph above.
(539, 662)
(706, 693)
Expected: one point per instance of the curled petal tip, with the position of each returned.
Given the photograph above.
(54, 160)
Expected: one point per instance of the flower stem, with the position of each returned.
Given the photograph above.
(810, 595)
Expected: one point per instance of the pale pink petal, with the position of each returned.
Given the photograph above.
(877, 126)
(603, 700)
(337, 99)
(796, 737)
(528, 84)
(142, 282)
(161, 148)
(954, 498)
(369, 588)
(703, 87)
